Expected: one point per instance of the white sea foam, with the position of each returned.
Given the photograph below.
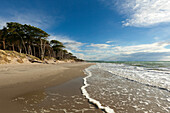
(85, 93)
(106, 85)
(156, 78)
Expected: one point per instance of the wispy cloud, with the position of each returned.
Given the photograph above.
(144, 52)
(109, 41)
(70, 44)
(153, 51)
(101, 46)
(154, 47)
(146, 12)
(142, 13)
(38, 19)
(92, 56)
(142, 56)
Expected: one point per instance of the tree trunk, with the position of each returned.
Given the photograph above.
(3, 44)
(42, 58)
(13, 48)
(25, 48)
(39, 52)
(34, 50)
(49, 53)
(19, 48)
(23, 43)
(44, 46)
(61, 54)
(29, 50)
(42, 49)
(54, 54)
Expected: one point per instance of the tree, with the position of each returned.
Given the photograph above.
(28, 35)
(57, 47)
(43, 40)
(17, 29)
(18, 37)
(3, 36)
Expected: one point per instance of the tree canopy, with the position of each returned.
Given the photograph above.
(31, 41)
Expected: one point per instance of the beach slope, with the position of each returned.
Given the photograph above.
(21, 79)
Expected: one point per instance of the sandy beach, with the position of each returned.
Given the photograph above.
(43, 88)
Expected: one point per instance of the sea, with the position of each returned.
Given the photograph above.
(129, 87)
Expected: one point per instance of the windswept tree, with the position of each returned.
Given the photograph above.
(29, 35)
(58, 48)
(42, 36)
(3, 36)
(17, 30)
(31, 41)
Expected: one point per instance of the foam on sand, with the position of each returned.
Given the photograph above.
(85, 93)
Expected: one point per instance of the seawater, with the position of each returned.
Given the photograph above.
(129, 87)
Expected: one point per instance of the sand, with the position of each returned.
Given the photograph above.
(22, 84)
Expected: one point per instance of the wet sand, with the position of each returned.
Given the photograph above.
(43, 88)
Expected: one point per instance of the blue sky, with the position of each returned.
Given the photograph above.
(123, 30)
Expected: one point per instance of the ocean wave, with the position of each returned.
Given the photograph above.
(151, 77)
(126, 88)
(86, 94)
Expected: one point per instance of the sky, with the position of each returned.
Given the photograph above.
(111, 30)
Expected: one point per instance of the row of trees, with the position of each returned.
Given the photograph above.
(31, 41)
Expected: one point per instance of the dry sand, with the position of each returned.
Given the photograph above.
(17, 81)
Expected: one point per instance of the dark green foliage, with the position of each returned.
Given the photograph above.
(31, 41)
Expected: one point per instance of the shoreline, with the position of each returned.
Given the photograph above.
(107, 109)
(21, 79)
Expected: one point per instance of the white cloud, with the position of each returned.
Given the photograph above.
(109, 42)
(101, 46)
(2, 22)
(146, 12)
(69, 43)
(154, 47)
(141, 13)
(92, 56)
(142, 56)
(152, 51)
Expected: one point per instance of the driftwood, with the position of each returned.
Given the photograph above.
(35, 61)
